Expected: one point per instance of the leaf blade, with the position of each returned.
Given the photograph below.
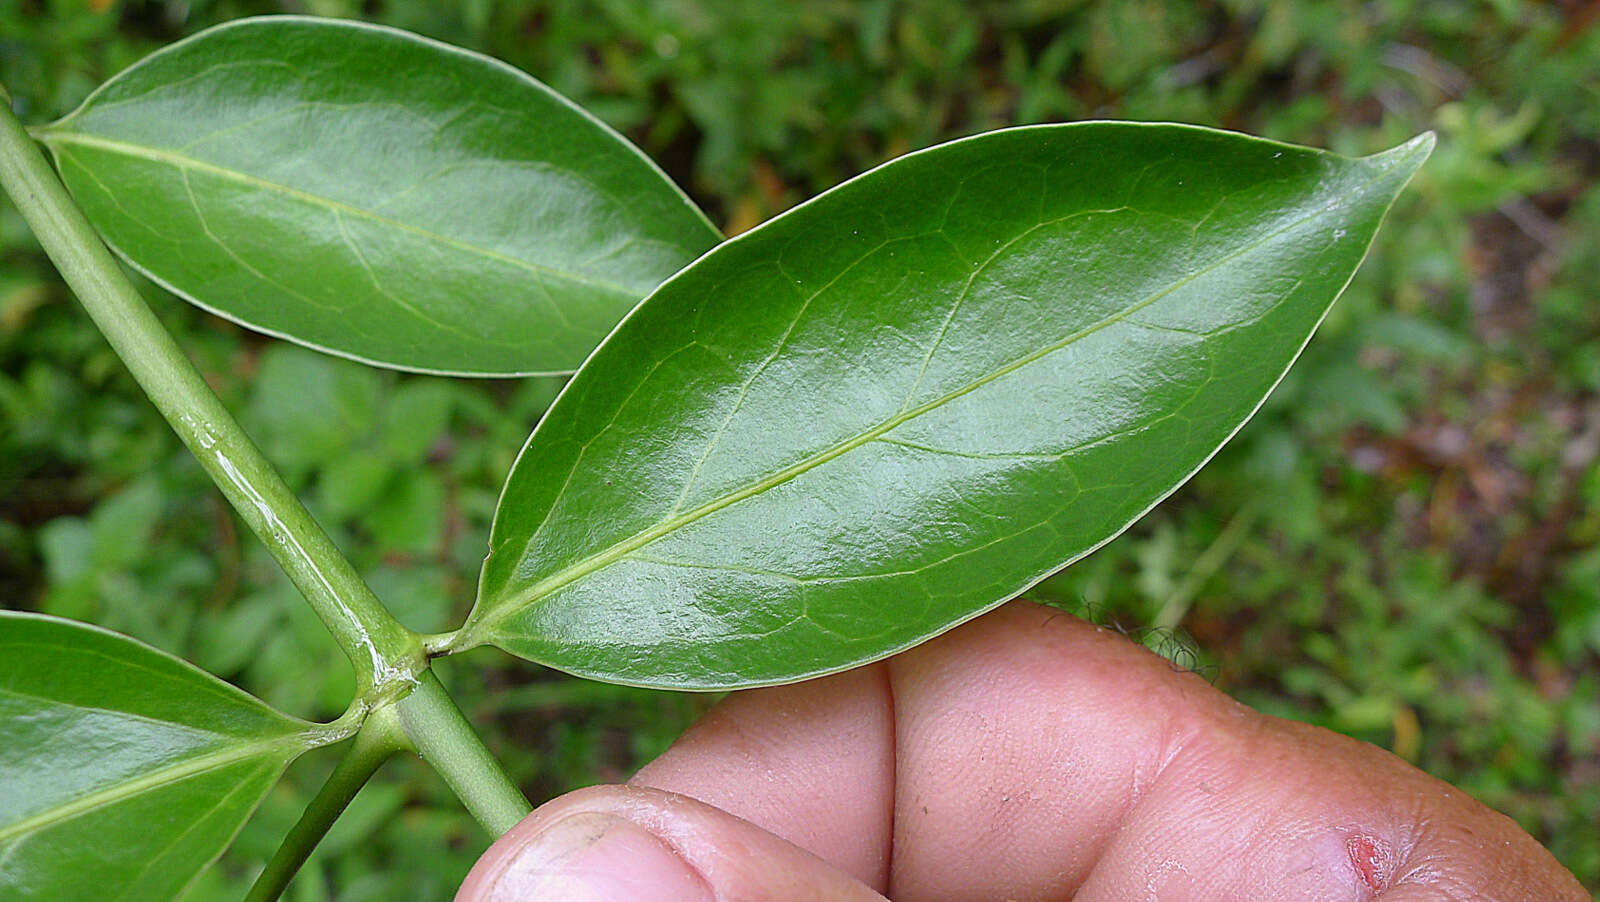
(920, 336)
(376, 195)
(126, 771)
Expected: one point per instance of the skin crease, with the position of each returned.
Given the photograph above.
(1026, 755)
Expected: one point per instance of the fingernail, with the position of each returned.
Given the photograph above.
(594, 857)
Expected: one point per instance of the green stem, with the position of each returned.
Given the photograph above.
(385, 654)
(389, 659)
(445, 740)
(380, 738)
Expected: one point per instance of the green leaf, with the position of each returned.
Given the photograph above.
(377, 195)
(912, 398)
(124, 771)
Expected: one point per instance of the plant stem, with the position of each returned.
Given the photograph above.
(386, 655)
(389, 659)
(446, 741)
(380, 738)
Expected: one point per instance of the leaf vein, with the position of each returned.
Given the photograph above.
(186, 164)
(138, 879)
(155, 779)
(571, 573)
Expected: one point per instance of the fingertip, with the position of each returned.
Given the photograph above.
(585, 856)
(638, 844)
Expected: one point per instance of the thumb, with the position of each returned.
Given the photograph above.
(633, 844)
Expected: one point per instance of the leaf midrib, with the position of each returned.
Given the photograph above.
(151, 780)
(470, 632)
(183, 162)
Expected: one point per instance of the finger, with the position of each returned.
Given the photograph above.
(1279, 809)
(1031, 735)
(1105, 774)
(1034, 756)
(812, 762)
(633, 844)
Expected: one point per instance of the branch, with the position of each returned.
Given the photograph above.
(385, 654)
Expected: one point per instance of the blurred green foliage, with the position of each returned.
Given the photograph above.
(1404, 545)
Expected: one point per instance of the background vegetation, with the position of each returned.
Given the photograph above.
(1404, 545)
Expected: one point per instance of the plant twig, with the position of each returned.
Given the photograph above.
(380, 738)
(389, 659)
(446, 741)
(386, 655)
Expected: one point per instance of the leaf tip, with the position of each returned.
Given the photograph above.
(1409, 156)
(1422, 144)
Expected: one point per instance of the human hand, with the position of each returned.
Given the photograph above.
(1025, 755)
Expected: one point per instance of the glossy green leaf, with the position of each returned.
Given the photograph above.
(123, 770)
(374, 194)
(915, 396)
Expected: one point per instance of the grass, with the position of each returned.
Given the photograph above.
(1403, 546)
